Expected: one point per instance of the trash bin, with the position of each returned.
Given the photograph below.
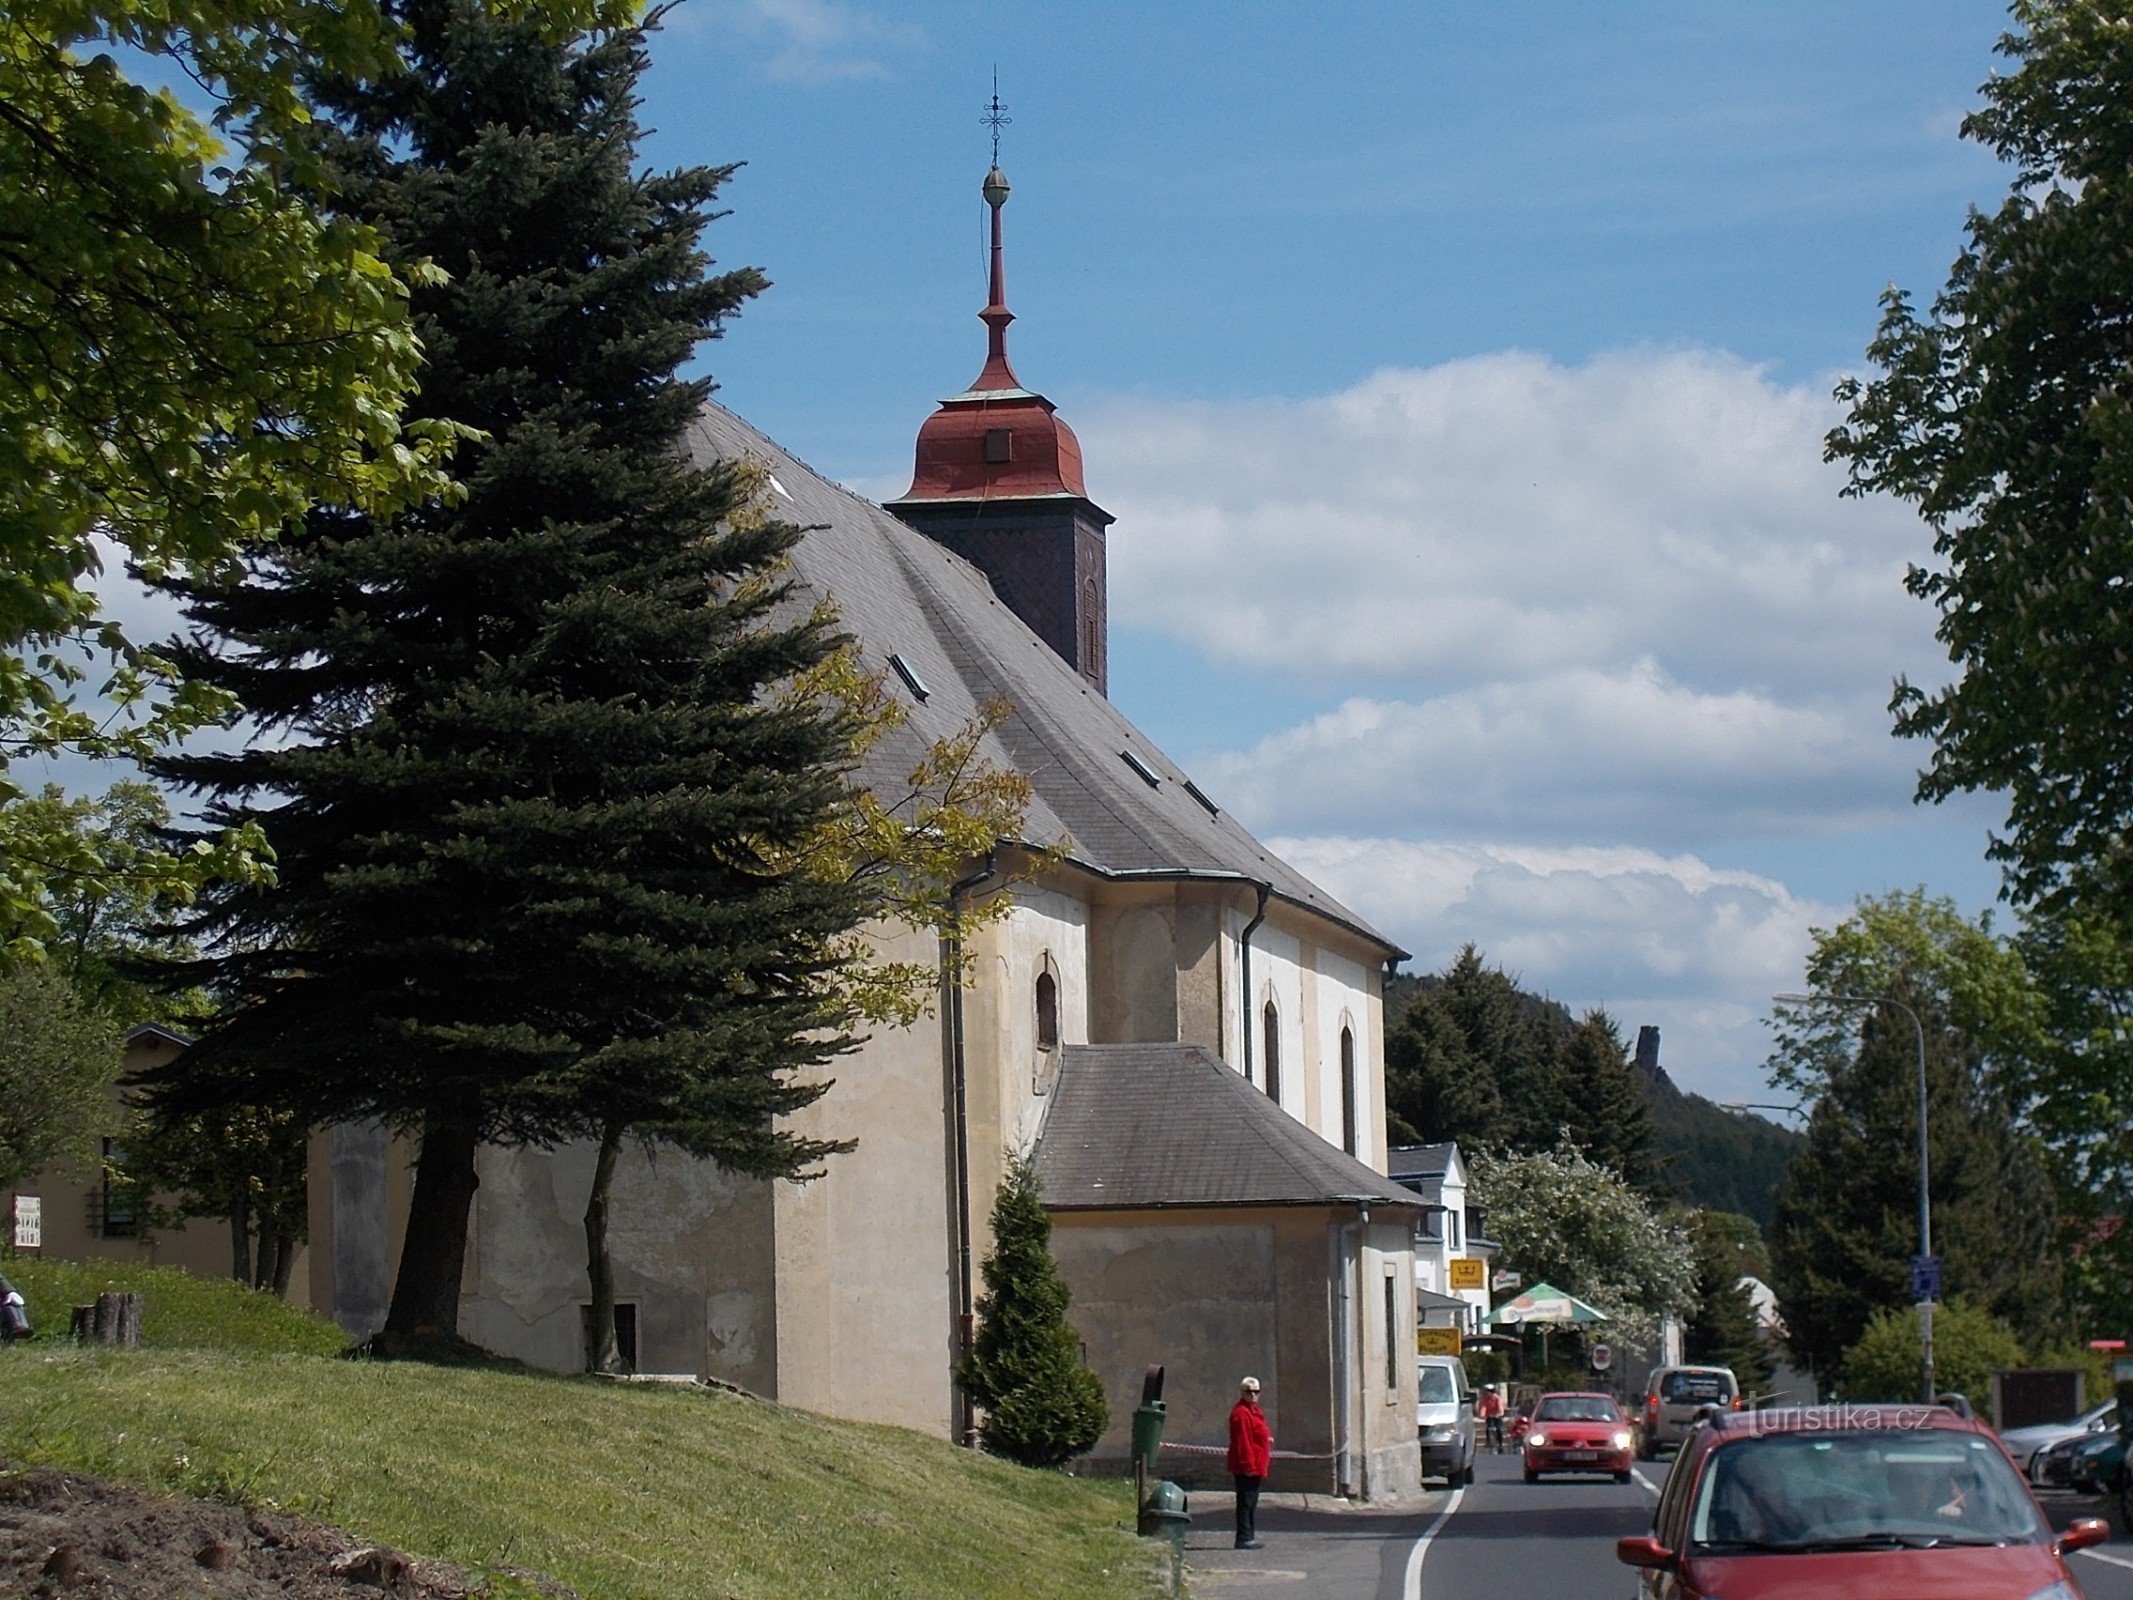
(14, 1315)
(1164, 1515)
(1148, 1434)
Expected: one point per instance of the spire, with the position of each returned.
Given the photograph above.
(998, 374)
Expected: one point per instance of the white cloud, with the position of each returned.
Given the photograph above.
(1504, 517)
(1664, 940)
(1580, 753)
(809, 41)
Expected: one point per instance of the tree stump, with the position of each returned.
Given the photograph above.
(114, 1319)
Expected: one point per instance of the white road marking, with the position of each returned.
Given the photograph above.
(2098, 1555)
(1411, 1584)
(1644, 1483)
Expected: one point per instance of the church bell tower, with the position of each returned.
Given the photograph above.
(998, 481)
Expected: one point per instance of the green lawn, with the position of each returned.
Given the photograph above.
(618, 1490)
(180, 1311)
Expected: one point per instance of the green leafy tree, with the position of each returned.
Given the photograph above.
(1609, 1111)
(58, 1058)
(1042, 1405)
(1435, 1087)
(2005, 414)
(1563, 1218)
(536, 799)
(1722, 1330)
(1847, 1218)
(1970, 1344)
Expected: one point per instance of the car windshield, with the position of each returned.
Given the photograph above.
(1434, 1386)
(1577, 1408)
(1883, 1488)
(1680, 1388)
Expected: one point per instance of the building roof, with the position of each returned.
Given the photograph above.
(1420, 1160)
(1144, 1125)
(1123, 808)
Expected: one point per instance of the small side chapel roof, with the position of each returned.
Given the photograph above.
(1147, 1125)
(901, 594)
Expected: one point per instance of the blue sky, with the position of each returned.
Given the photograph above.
(1457, 376)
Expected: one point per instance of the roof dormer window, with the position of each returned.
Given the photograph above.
(999, 445)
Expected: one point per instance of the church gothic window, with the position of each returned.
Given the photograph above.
(1348, 1090)
(1047, 1011)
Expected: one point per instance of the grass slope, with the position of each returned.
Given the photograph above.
(179, 1311)
(618, 1490)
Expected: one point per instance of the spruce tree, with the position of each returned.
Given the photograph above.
(1610, 1112)
(1517, 1042)
(532, 798)
(1722, 1330)
(1042, 1406)
(1435, 1087)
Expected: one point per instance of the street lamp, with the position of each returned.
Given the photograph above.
(1925, 1192)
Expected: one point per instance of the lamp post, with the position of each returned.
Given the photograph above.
(1925, 1191)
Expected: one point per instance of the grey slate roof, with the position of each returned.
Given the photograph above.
(1420, 1160)
(900, 593)
(1138, 1125)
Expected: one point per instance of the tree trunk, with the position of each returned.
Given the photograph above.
(601, 1353)
(241, 1240)
(269, 1249)
(426, 1293)
(284, 1264)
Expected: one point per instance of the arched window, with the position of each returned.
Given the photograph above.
(1092, 627)
(1348, 1090)
(1047, 1011)
(1272, 1019)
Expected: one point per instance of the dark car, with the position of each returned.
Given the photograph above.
(1909, 1501)
(2096, 1465)
(1577, 1433)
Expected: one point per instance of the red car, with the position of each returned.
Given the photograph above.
(1850, 1503)
(1577, 1433)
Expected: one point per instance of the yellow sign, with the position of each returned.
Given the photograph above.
(1436, 1341)
(1469, 1272)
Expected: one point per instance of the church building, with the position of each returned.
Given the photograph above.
(1186, 1033)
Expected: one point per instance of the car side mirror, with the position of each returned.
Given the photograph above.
(1645, 1552)
(2083, 1532)
(1466, 1401)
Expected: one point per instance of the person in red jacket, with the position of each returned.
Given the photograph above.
(1251, 1452)
(1490, 1410)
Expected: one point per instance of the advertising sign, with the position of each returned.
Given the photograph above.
(1436, 1341)
(28, 1222)
(1468, 1272)
(1505, 1282)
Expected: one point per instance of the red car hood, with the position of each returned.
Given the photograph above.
(1579, 1435)
(2011, 1572)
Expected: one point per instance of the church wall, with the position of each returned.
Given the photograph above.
(864, 1262)
(1211, 1295)
(1200, 957)
(691, 1248)
(1133, 989)
(1278, 975)
(1046, 933)
(1342, 990)
(1385, 1442)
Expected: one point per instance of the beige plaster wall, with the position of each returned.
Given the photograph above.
(864, 1263)
(691, 1248)
(1385, 1428)
(1211, 1295)
(1133, 990)
(1341, 991)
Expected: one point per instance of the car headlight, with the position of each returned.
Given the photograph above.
(1539, 1441)
(1437, 1433)
(1622, 1438)
(2062, 1590)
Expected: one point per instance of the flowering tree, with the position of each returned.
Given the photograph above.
(1580, 1226)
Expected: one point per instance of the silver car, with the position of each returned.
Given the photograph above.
(1444, 1409)
(2028, 1444)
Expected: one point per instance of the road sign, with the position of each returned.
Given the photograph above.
(1504, 1282)
(28, 1222)
(1602, 1358)
(1436, 1341)
(1468, 1272)
(1925, 1278)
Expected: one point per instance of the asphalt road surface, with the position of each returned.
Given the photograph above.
(1510, 1540)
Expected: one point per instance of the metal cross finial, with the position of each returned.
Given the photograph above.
(996, 116)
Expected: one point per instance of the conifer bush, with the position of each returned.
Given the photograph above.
(1042, 1406)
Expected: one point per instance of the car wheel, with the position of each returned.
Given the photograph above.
(1621, 1477)
(1532, 1476)
(1466, 1480)
(1646, 1450)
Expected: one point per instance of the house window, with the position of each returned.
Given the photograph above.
(1392, 1334)
(1453, 1221)
(1272, 1021)
(1348, 1090)
(118, 1198)
(1047, 1011)
(625, 1331)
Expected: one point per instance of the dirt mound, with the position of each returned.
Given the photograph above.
(81, 1538)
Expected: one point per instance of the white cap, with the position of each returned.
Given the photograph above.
(1251, 1384)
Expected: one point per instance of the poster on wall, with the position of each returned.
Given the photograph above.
(28, 1216)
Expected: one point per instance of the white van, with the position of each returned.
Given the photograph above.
(1444, 1412)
